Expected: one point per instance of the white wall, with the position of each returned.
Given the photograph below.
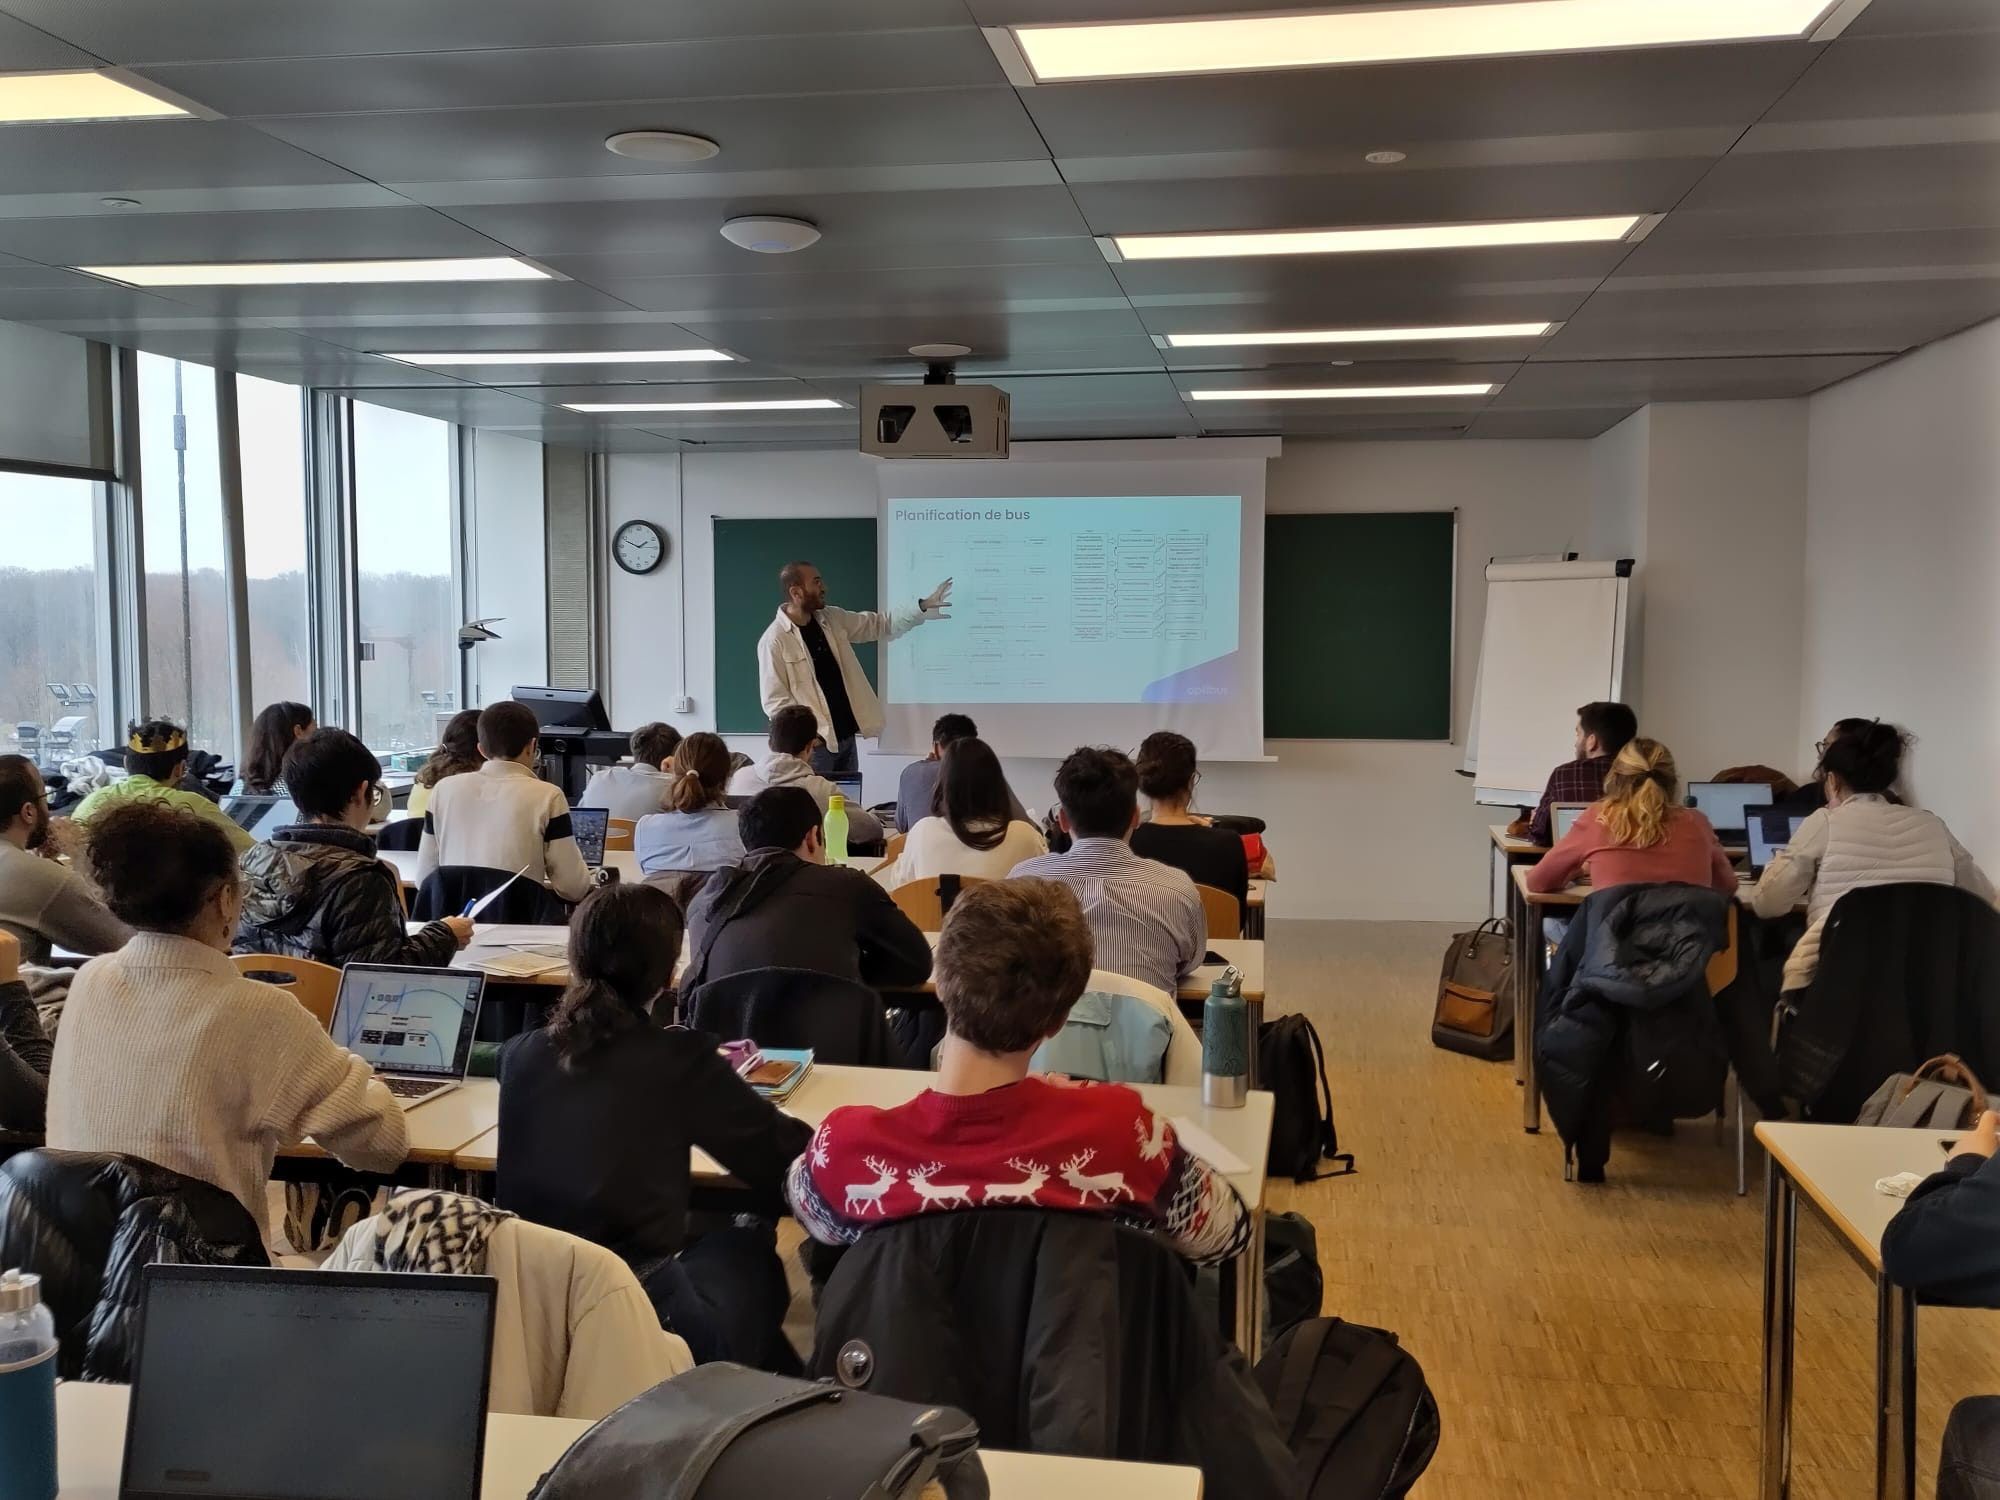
(1902, 615)
(507, 578)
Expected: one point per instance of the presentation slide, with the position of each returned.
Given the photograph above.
(1128, 599)
(403, 1022)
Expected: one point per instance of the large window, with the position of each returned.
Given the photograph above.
(187, 608)
(270, 421)
(51, 599)
(408, 608)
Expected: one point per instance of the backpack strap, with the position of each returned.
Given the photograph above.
(1342, 1401)
(1329, 1140)
(1300, 1358)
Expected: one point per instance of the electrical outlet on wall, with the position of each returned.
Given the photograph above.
(683, 705)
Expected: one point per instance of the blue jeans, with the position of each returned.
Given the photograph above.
(841, 760)
(1969, 1463)
(726, 1295)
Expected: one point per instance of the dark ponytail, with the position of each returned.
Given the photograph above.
(623, 941)
(1866, 758)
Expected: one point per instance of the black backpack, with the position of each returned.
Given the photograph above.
(1291, 1064)
(1353, 1407)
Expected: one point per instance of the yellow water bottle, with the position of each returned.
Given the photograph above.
(834, 830)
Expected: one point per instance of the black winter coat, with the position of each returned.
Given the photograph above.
(1944, 1243)
(88, 1223)
(777, 911)
(1625, 1008)
(25, 1053)
(317, 891)
(1057, 1333)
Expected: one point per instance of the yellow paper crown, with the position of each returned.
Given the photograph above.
(173, 739)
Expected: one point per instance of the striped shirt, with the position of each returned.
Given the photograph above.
(1145, 916)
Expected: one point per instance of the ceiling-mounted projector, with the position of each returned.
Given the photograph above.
(938, 419)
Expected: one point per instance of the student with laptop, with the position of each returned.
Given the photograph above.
(598, 1111)
(1014, 956)
(792, 732)
(973, 831)
(43, 902)
(698, 832)
(1177, 835)
(640, 789)
(1638, 833)
(1146, 917)
(1860, 838)
(1602, 730)
(167, 1053)
(156, 758)
(316, 889)
(916, 788)
(505, 817)
(277, 727)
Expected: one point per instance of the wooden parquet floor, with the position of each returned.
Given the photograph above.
(1582, 1342)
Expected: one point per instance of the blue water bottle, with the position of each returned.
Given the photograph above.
(1225, 1043)
(27, 1390)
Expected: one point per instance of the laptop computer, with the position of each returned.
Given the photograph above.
(267, 1384)
(260, 815)
(1563, 816)
(1771, 833)
(1723, 802)
(590, 826)
(413, 1026)
(850, 788)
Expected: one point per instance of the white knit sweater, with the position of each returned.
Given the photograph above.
(167, 1053)
(1866, 841)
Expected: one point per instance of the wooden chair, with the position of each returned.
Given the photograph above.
(314, 985)
(1722, 966)
(618, 835)
(1224, 912)
(894, 847)
(924, 902)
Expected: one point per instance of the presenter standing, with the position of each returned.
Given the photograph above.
(807, 656)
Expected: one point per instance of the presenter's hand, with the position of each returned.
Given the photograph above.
(936, 602)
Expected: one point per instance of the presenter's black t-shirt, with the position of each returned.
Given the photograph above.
(826, 667)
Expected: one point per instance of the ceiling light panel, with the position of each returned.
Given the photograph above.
(1346, 393)
(1333, 336)
(568, 357)
(42, 98)
(1238, 44)
(1398, 237)
(602, 408)
(324, 272)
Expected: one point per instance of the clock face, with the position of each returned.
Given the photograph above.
(639, 546)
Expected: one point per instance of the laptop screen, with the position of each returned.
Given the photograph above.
(1771, 834)
(284, 1385)
(1723, 801)
(850, 788)
(1563, 816)
(408, 1020)
(589, 826)
(260, 815)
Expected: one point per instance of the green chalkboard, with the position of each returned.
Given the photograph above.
(748, 555)
(1357, 626)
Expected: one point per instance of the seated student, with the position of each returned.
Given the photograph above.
(1602, 730)
(1145, 916)
(598, 1110)
(1810, 796)
(640, 789)
(784, 907)
(1176, 836)
(793, 730)
(24, 1046)
(1638, 833)
(156, 758)
(1860, 838)
(973, 831)
(699, 832)
(505, 817)
(916, 788)
(277, 727)
(316, 889)
(456, 754)
(167, 1053)
(1013, 958)
(43, 902)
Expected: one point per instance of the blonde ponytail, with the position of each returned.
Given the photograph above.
(1640, 792)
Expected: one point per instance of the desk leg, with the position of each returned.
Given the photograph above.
(1499, 884)
(1524, 1021)
(1781, 1230)
(1524, 1005)
(1243, 1293)
(1895, 1391)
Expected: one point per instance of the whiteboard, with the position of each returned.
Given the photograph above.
(1555, 638)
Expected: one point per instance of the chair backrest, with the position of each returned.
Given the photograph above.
(401, 834)
(1108, 1038)
(1223, 911)
(618, 835)
(314, 985)
(894, 846)
(1722, 966)
(446, 890)
(926, 901)
(1183, 1060)
(841, 1021)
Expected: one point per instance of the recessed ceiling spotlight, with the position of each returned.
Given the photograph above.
(940, 351)
(119, 202)
(661, 145)
(770, 234)
(1385, 158)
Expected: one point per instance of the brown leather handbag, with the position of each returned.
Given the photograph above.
(1475, 999)
(1944, 1094)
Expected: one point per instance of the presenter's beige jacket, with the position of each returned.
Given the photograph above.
(785, 670)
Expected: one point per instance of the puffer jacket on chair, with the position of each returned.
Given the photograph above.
(88, 1223)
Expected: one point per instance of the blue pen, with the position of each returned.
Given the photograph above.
(468, 907)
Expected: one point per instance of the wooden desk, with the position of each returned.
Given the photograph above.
(90, 1453)
(439, 1128)
(1245, 1132)
(1835, 1168)
(1507, 854)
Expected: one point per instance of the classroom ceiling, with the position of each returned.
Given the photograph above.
(1827, 206)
